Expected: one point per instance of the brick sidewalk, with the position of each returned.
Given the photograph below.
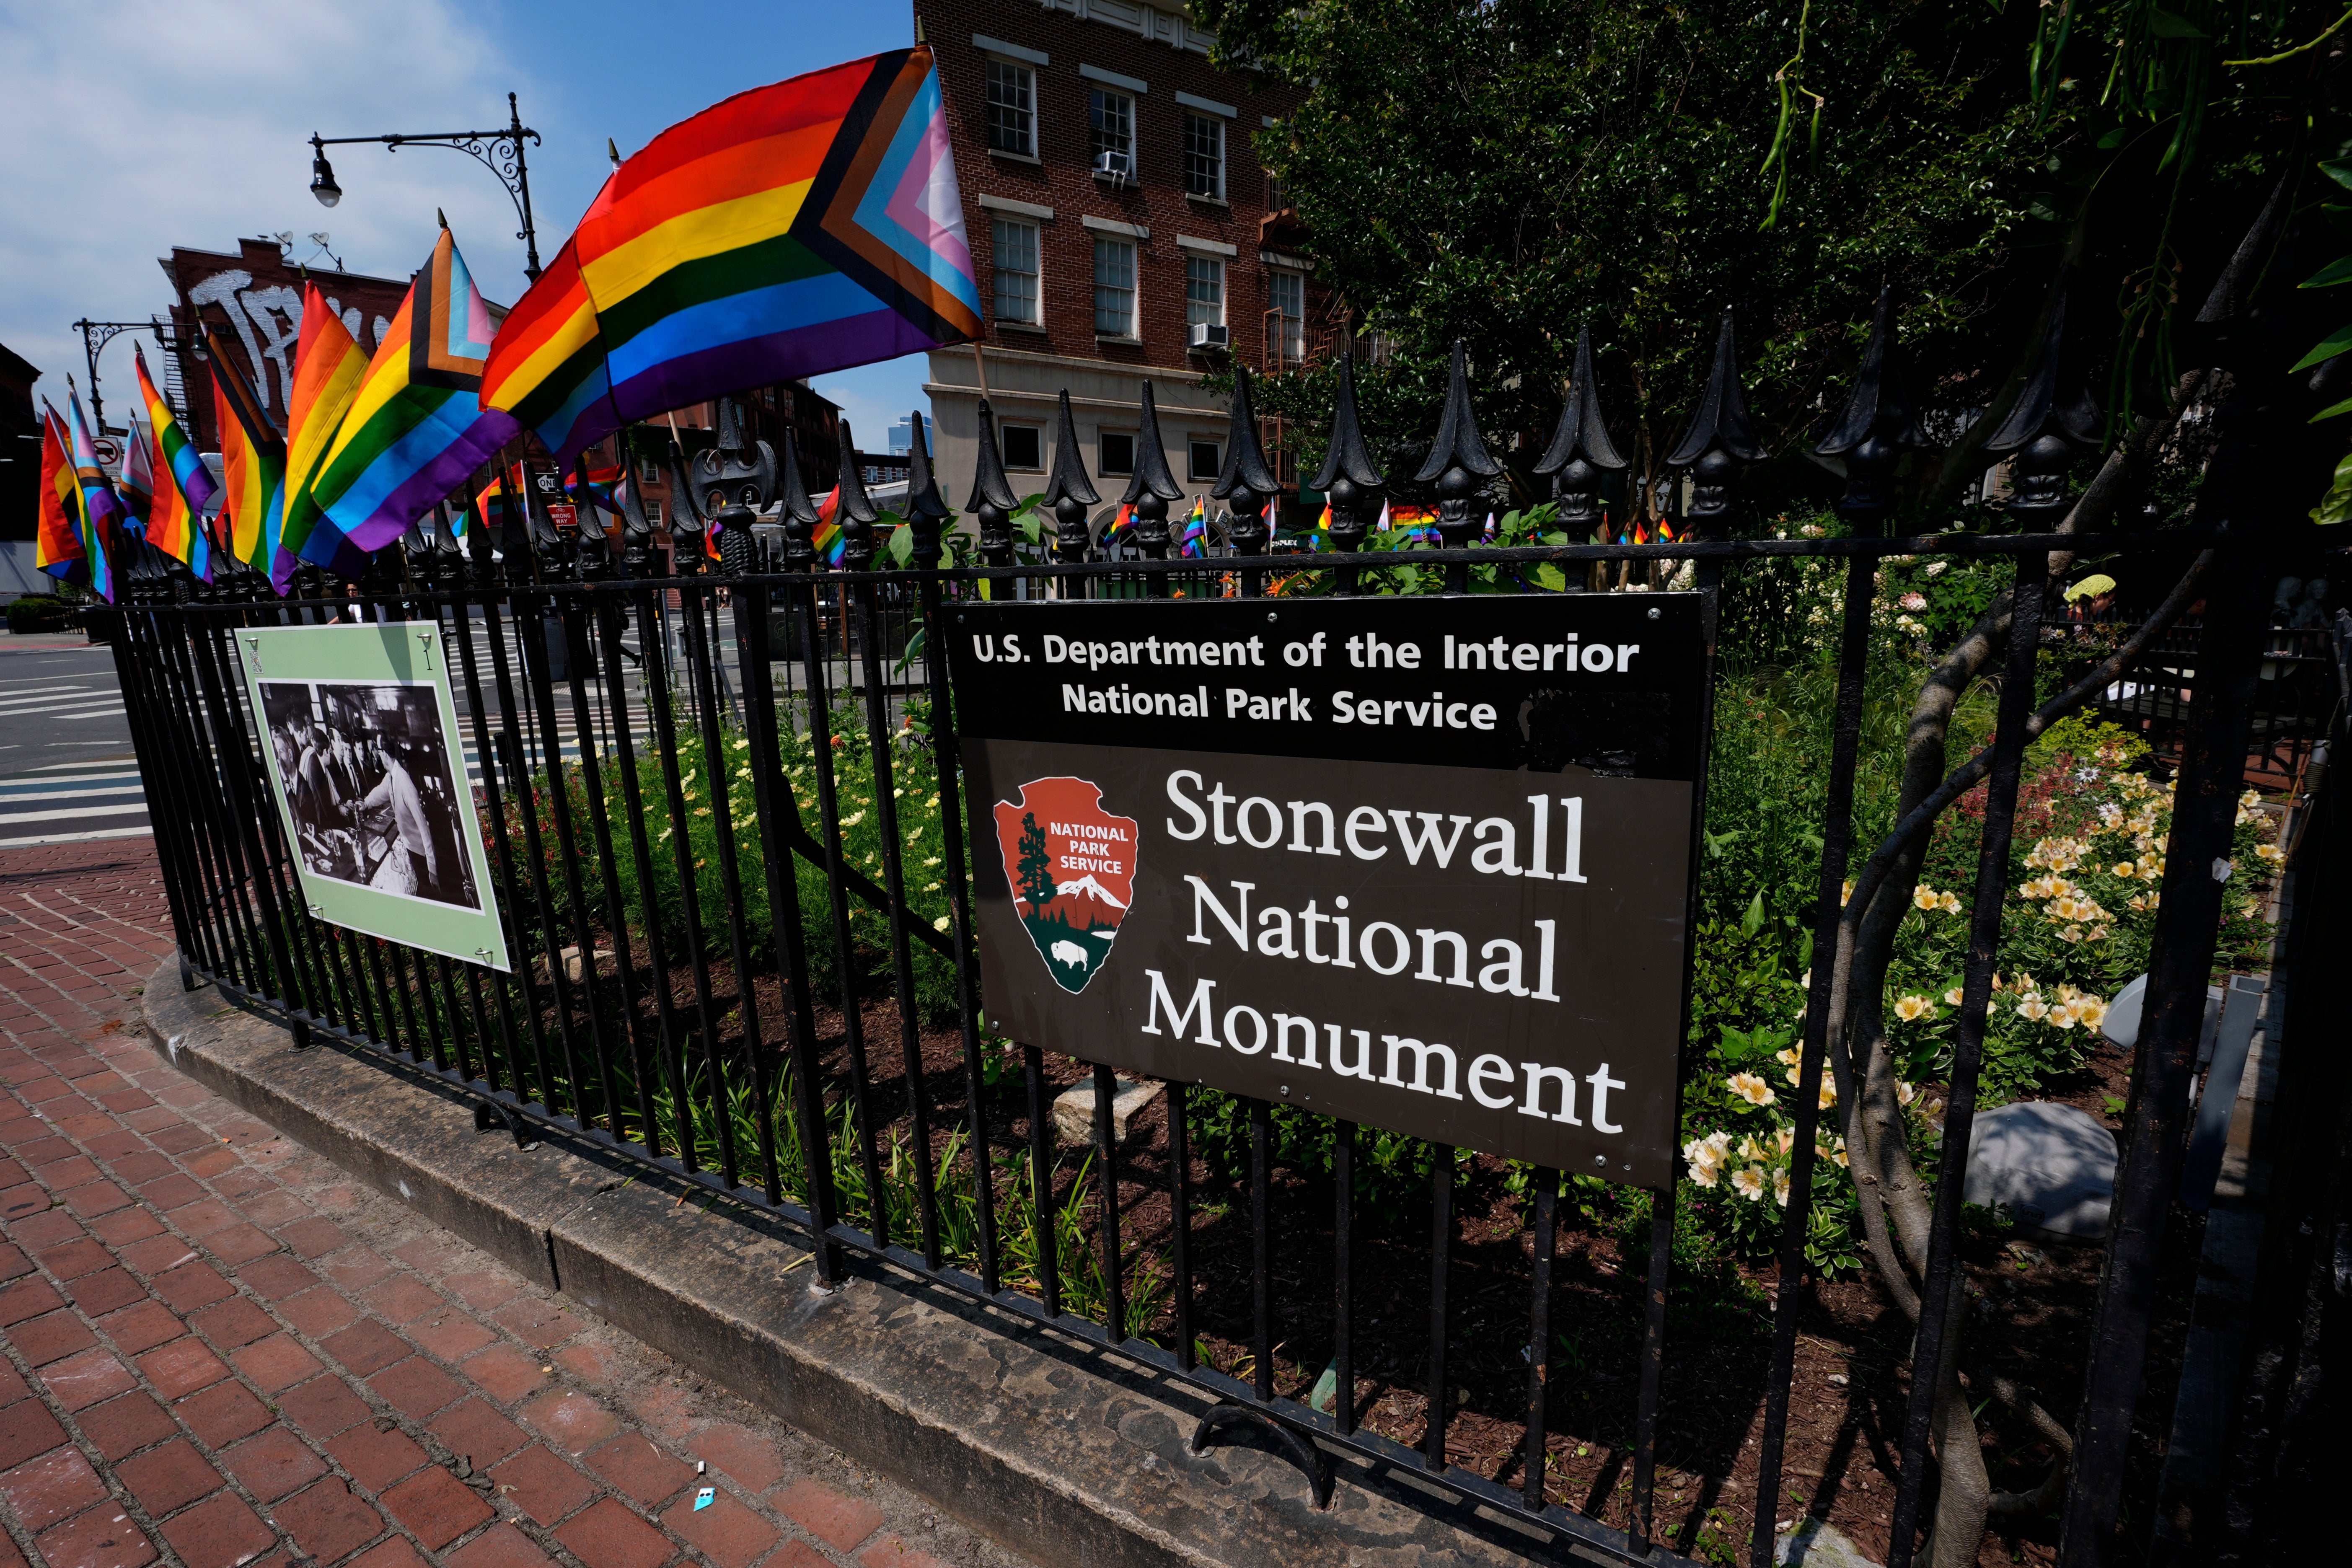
(220, 1349)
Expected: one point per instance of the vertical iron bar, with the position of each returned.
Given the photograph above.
(1940, 1293)
(665, 1022)
(237, 762)
(947, 764)
(1261, 1115)
(894, 882)
(1531, 1461)
(501, 842)
(1343, 1285)
(535, 854)
(578, 652)
(1653, 1364)
(1441, 1256)
(1837, 845)
(1107, 1151)
(1180, 1209)
(774, 804)
(852, 1020)
(450, 1009)
(533, 644)
(1041, 1182)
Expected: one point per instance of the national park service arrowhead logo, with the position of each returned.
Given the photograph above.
(1071, 865)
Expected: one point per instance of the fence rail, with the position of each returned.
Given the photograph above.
(728, 846)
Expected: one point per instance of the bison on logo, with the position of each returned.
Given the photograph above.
(1072, 867)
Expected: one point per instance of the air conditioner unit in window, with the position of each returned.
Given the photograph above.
(1206, 335)
(1116, 167)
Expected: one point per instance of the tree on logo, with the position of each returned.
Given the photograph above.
(1036, 864)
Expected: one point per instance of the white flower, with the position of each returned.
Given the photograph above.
(1952, 998)
(1903, 1092)
(1926, 897)
(1910, 1007)
(1949, 903)
(2032, 1009)
(1829, 1092)
(1915, 601)
(940, 923)
(2269, 852)
(853, 821)
(1936, 568)
(1749, 1088)
(1780, 1185)
(740, 745)
(1749, 1181)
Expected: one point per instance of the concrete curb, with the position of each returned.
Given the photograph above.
(1063, 1457)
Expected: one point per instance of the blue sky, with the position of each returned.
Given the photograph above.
(137, 126)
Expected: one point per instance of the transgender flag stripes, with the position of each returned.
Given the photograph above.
(416, 430)
(791, 230)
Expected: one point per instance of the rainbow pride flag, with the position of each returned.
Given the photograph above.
(1122, 521)
(253, 465)
(797, 228)
(1193, 541)
(183, 488)
(134, 481)
(58, 548)
(101, 508)
(328, 370)
(415, 429)
(830, 543)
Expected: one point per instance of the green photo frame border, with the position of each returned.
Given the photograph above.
(410, 652)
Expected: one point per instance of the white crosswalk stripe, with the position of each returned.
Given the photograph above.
(65, 803)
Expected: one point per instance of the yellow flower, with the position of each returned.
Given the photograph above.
(1749, 1088)
(940, 923)
(1796, 1075)
(1781, 1186)
(740, 746)
(1952, 998)
(2269, 852)
(2032, 1009)
(1749, 1181)
(1788, 1139)
(1924, 897)
(1910, 1007)
(1949, 903)
(2063, 1014)
(1828, 1091)
(2071, 934)
(2090, 1011)
(1792, 1056)
(2126, 869)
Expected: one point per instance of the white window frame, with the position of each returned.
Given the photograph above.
(1200, 271)
(1193, 445)
(1114, 250)
(1294, 327)
(1005, 428)
(1197, 127)
(999, 230)
(1023, 77)
(1100, 100)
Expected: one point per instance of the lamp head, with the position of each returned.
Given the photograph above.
(322, 176)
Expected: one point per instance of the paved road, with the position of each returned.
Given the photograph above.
(66, 774)
(218, 1349)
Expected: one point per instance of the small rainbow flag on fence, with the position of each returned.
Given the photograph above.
(416, 428)
(328, 369)
(797, 228)
(183, 486)
(1196, 530)
(101, 508)
(57, 542)
(253, 465)
(134, 481)
(827, 539)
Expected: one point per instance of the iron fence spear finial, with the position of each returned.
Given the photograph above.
(854, 512)
(1246, 482)
(992, 503)
(1579, 450)
(1151, 486)
(1876, 425)
(927, 513)
(1068, 491)
(1722, 437)
(1459, 463)
(2054, 415)
(1349, 476)
(798, 512)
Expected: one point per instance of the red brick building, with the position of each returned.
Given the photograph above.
(1122, 228)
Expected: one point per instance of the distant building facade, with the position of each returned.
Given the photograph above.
(1121, 230)
(20, 447)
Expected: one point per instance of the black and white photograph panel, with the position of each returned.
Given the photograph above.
(369, 785)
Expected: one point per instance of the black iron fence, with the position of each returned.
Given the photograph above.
(728, 844)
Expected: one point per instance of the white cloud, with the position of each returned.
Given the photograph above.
(135, 127)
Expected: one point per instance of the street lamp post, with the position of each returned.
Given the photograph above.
(95, 336)
(500, 151)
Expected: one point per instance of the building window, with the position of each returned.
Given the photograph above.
(1017, 271)
(1285, 294)
(1208, 459)
(1114, 452)
(654, 513)
(1205, 290)
(1012, 109)
(1204, 156)
(1276, 201)
(648, 471)
(1024, 446)
(1114, 288)
(1112, 115)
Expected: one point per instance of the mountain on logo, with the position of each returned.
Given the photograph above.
(1071, 866)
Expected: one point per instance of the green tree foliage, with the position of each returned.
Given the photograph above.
(1037, 863)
